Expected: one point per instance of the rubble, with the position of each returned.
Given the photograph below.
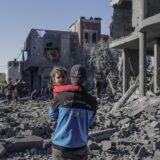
(131, 132)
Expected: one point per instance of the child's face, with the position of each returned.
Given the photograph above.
(59, 79)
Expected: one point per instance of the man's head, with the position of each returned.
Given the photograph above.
(78, 74)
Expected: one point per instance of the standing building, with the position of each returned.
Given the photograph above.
(135, 29)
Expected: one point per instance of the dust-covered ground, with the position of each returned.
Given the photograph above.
(130, 133)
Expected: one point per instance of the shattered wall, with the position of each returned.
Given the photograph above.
(14, 70)
(153, 7)
(121, 20)
(101, 64)
(52, 48)
(88, 29)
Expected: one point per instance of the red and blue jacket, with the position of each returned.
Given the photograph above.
(75, 113)
(63, 88)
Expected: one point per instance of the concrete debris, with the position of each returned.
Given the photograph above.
(2, 150)
(103, 134)
(93, 145)
(18, 144)
(132, 132)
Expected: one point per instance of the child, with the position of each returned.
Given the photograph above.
(59, 78)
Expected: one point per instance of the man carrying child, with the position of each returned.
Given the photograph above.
(75, 113)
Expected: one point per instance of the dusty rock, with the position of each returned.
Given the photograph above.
(135, 131)
(103, 134)
(2, 150)
(18, 144)
(93, 145)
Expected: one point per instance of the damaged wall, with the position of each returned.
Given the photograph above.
(52, 48)
(153, 7)
(121, 20)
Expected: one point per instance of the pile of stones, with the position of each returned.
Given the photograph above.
(130, 133)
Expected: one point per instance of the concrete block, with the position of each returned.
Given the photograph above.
(93, 146)
(110, 148)
(108, 123)
(143, 152)
(124, 141)
(124, 121)
(150, 132)
(103, 134)
(150, 109)
(22, 143)
(106, 145)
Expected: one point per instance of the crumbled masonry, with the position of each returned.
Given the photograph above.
(131, 132)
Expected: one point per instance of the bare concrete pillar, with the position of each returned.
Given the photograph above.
(157, 66)
(125, 71)
(142, 64)
(142, 53)
(143, 9)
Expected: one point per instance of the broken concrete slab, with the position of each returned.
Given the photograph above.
(124, 141)
(106, 145)
(151, 109)
(155, 124)
(103, 134)
(124, 121)
(22, 143)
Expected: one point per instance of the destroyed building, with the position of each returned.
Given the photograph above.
(14, 70)
(45, 49)
(135, 29)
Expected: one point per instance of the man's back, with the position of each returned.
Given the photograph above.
(76, 112)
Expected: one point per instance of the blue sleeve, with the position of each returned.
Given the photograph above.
(53, 113)
(92, 120)
(53, 109)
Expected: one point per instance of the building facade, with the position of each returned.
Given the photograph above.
(135, 29)
(14, 70)
(45, 49)
(88, 30)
